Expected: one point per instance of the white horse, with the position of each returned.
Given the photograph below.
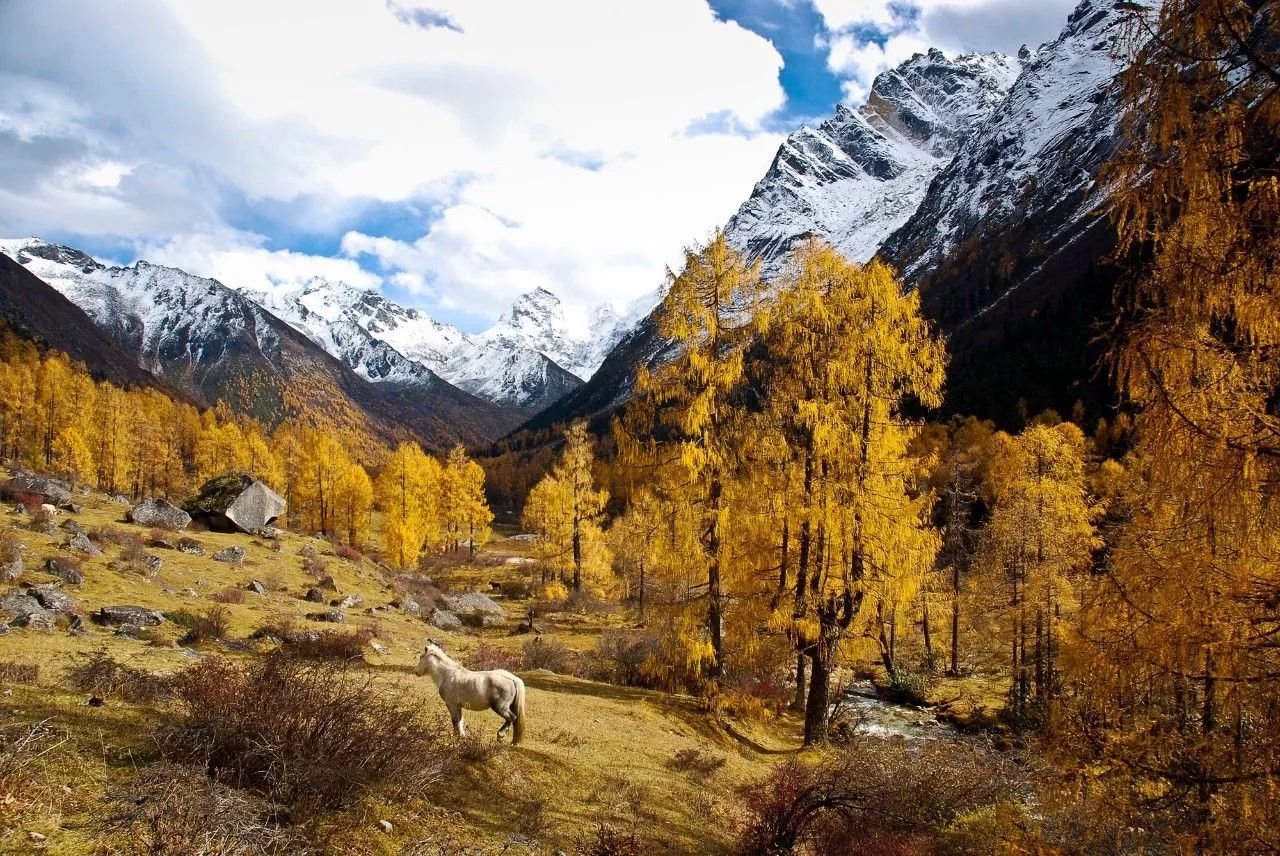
(461, 688)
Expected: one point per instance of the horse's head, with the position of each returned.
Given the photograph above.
(433, 655)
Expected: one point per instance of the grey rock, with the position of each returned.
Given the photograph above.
(482, 620)
(42, 620)
(121, 499)
(161, 544)
(314, 595)
(137, 615)
(131, 631)
(64, 570)
(53, 600)
(72, 507)
(152, 562)
(74, 526)
(256, 587)
(412, 607)
(190, 546)
(445, 620)
(81, 542)
(237, 501)
(231, 555)
(472, 603)
(17, 604)
(10, 571)
(270, 533)
(327, 583)
(160, 513)
(335, 616)
(347, 602)
(51, 489)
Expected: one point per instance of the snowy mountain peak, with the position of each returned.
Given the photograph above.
(856, 177)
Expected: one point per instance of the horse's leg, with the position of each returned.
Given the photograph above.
(455, 714)
(505, 709)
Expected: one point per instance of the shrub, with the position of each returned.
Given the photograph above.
(608, 841)
(554, 592)
(132, 549)
(621, 656)
(10, 547)
(487, 657)
(516, 589)
(41, 520)
(540, 653)
(586, 602)
(30, 501)
(213, 623)
(22, 746)
(314, 565)
(875, 799)
(175, 810)
(102, 676)
(329, 644)
(230, 594)
(19, 673)
(308, 734)
(477, 748)
(190, 544)
(104, 535)
(696, 761)
(908, 687)
(346, 551)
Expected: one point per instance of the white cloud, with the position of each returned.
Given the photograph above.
(550, 135)
(954, 26)
(240, 260)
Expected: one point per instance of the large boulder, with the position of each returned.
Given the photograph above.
(159, 513)
(236, 502)
(137, 616)
(445, 620)
(472, 603)
(16, 604)
(51, 490)
(53, 600)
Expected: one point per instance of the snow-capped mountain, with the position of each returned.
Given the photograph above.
(976, 178)
(214, 343)
(527, 360)
(859, 175)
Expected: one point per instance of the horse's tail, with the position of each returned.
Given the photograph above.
(519, 726)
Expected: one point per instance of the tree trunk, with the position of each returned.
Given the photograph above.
(955, 619)
(799, 701)
(819, 703)
(715, 605)
(577, 557)
(924, 628)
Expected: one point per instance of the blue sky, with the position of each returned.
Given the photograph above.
(453, 153)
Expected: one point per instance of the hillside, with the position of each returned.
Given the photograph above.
(215, 345)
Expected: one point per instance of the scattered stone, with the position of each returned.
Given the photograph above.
(50, 489)
(77, 626)
(377, 646)
(95, 701)
(74, 526)
(231, 555)
(270, 533)
(42, 620)
(328, 583)
(256, 587)
(10, 571)
(412, 607)
(136, 615)
(36, 837)
(236, 502)
(190, 546)
(385, 826)
(152, 562)
(160, 513)
(18, 509)
(17, 603)
(50, 598)
(64, 570)
(81, 542)
(314, 595)
(524, 536)
(444, 620)
(72, 507)
(472, 603)
(335, 616)
(129, 631)
(347, 602)
(121, 499)
(161, 544)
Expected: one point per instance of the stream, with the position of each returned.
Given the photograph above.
(881, 718)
